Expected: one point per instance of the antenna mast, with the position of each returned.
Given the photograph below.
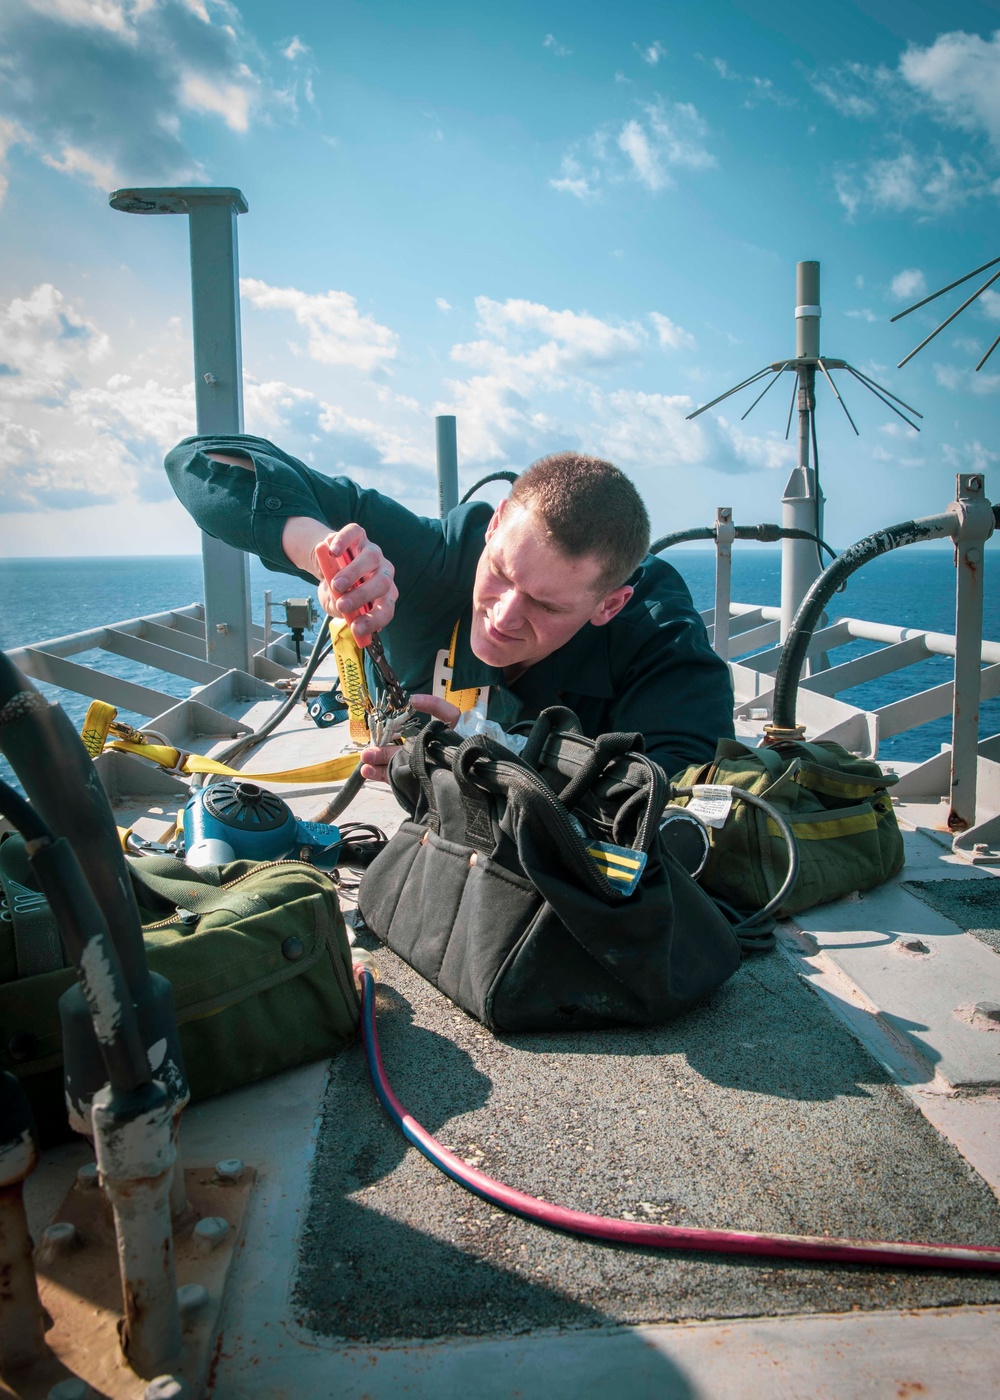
(802, 503)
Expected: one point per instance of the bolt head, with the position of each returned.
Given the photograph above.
(914, 945)
(231, 1169)
(166, 1388)
(88, 1176)
(59, 1238)
(988, 1010)
(191, 1298)
(209, 1233)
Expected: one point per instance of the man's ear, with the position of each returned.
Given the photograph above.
(495, 519)
(611, 605)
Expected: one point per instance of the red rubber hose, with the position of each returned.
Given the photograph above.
(633, 1232)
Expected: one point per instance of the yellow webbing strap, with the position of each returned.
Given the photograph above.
(464, 699)
(96, 726)
(351, 669)
(333, 770)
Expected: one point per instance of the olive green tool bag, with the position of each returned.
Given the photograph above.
(837, 806)
(257, 955)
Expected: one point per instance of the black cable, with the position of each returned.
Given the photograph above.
(750, 941)
(818, 495)
(765, 534)
(246, 742)
(484, 481)
(22, 815)
(811, 608)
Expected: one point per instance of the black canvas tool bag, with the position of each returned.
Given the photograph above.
(534, 890)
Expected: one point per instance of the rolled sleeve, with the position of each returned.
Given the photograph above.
(248, 508)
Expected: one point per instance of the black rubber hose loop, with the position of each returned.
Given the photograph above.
(484, 481)
(833, 577)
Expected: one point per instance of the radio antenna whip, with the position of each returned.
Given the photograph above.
(948, 319)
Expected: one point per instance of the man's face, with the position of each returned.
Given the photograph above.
(529, 597)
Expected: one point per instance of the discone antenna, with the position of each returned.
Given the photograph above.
(803, 497)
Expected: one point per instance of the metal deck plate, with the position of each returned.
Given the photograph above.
(974, 905)
(757, 1110)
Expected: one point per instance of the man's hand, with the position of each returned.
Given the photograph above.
(375, 762)
(366, 581)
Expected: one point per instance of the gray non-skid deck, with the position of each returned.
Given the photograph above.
(757, 1110)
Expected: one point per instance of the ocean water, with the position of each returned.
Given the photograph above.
(42, 598)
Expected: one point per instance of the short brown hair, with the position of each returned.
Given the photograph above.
(588, 507)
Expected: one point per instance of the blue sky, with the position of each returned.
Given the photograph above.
(569, 224)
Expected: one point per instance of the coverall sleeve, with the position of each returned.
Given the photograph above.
(248, 509)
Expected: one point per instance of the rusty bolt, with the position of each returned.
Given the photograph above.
(166, 1388)
(914, 945)
(231, 1169)
(58, 1239)
(209, 1233)
(88, 1176)
(191, 1298)
(73, 1389)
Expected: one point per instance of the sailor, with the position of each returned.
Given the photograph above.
(552, 598)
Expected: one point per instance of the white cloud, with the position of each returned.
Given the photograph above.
(102, 90)
(758, 89)
(230, 101)
(651, 53)
(338, 334)
(852, 89)
(647, 149)
(82, 434)
(929, 185)
(526, 340)
(442, 304)
(669, 333)
(551, 43)
(294, 49)
(862, 313)
(959, 75)
(953, 378)
(908, 284)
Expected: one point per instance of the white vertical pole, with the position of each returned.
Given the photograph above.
(799, 507)
(976, 525)
(725, 533)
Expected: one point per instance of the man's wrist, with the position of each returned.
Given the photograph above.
(299, 537)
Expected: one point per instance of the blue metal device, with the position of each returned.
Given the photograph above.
(237, 820)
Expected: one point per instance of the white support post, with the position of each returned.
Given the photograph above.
(975, 527)
(725, 533)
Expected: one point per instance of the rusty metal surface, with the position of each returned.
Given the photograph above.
(81, 1292)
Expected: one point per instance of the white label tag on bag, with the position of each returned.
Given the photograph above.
(712, 802)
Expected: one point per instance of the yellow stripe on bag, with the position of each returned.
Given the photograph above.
(333, 770)
(351, 669)
(822, 831)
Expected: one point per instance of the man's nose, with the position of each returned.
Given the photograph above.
(507, 611)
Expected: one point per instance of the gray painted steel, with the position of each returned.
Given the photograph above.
(447, 462)
(218, 383)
